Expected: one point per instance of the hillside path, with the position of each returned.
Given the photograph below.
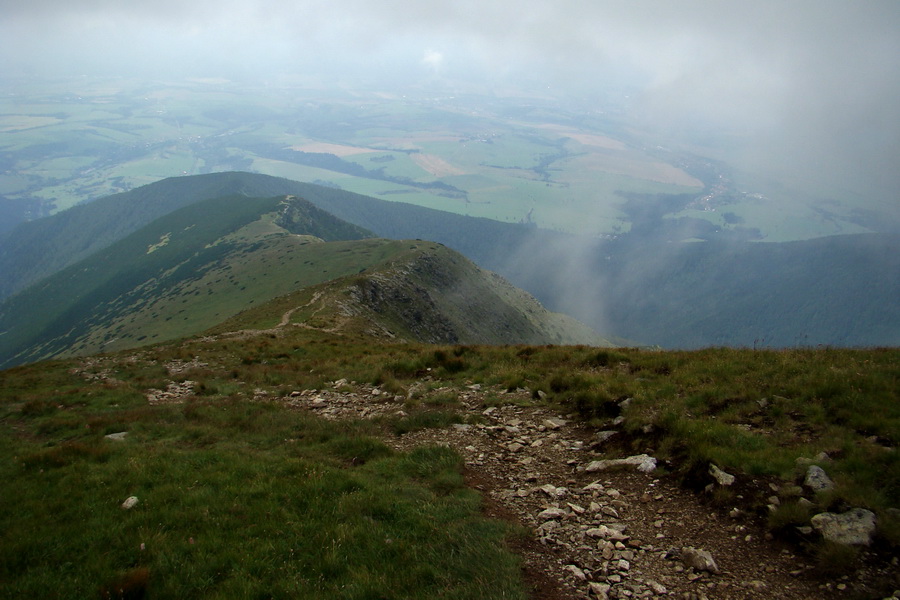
(611, 534)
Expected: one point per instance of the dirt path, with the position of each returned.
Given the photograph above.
(611, 534)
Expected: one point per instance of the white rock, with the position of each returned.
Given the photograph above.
(552, 513)
(550, 490)
(117, 437)
(606, 533)
(593, 487)
(578, 573)
(575, 508)
(700, 560)
(817, 479)
(757, 585)
(853, 527)
(721, 477)
(603, 436)
(130, 502)
(642, 462)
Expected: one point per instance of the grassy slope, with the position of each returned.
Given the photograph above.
(40, 248)
(200, 265)
(241, 496)
(236, 500)
(183, 273)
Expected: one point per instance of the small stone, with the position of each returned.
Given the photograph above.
(721, 477)
(117, 437)
(552, 513)
(554, 423)
(700, 560)
(593, 487)
(130, 502)
(578, 573)
(817, 480)
(603, 436)
(606, 533)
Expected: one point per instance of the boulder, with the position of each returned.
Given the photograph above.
(854, 527)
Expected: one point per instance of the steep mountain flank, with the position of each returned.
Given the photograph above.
(425, 293)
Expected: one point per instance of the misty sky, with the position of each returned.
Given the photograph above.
(814, 85)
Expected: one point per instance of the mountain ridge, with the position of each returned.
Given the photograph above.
(649, 284)
(201, 264)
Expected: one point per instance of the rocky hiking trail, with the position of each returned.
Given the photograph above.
(598, 522)
(598, 528)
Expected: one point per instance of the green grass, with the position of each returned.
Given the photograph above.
(237, 499)
(754, 412)
(280, 504)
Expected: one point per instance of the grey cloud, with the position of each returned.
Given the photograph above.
(814, 83)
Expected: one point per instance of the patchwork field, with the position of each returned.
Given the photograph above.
(73, 141)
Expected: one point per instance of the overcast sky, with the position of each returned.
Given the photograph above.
(815, 83)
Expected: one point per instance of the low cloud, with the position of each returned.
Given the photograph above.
(805, 88)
